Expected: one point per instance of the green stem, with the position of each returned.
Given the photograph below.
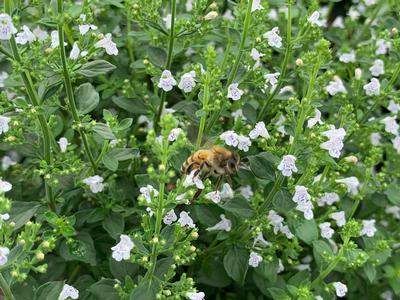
(128, 30)
(235, 67)
(6, 289)
(206, 97)
(6, 53)
(277, 186)
(68, 85)
(163, 95)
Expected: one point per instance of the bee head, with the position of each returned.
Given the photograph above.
(233, 163)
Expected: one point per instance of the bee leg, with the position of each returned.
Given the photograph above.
(219, 180)
(229, 180)
(197, 195)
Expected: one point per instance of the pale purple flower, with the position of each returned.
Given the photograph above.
(396, 143)
(5, 186)
(68, 292)
(4, 251)
(191, 179)
(339, 217)
(373, 88)
(243, 143)
(25, 36)
(336, 86)
(234, 92)
(95, 183)
(170, 217)
(375, 138)
(148, 192)
(226, 191)
(167, 81)
(378, 68)
(393, 107)
(275, 220)
(7, 28)
(173, 135)
(7, 162)
(288, 165)
(230, 138)
(225, 224)
(326, 230)
(328, 199)
(63, 143)
(368, 228)
(315, 120)
(214, 196)
(74, 54)
(255, 259)
(246, 191)
(391, 125)
(274, 40)
(185, 220)
(259, 130)
(382, 47)
(122, 250)
(351, 183)
(314, 19)
(195, 296)
(40, 34)
(108, 45)
(272, 78)
(256, 5)
(348, 57)
(341, 289)
(187, 82)
(4, 127)
(84, 28)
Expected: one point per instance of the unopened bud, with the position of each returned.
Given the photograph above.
(299, 62)
(358, 73)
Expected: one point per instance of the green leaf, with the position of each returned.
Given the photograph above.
(104, 131)
(321, 249)
(14, 255)
(87, 98)
(213, 273)
(157, 56)
(121, 154)
(369, 271)
(95, 68)
(22, 212)
(104, 290)
(82, 249)
(49, 291)
(110, 162)
(121, 269)
(262, 166)
(147, 289)
(114, 224)
(393, 193)
(236, 263)
(238, 205)
(282, 202)
(135, 106)
(306, 230)
(278, 294)
(162, 266)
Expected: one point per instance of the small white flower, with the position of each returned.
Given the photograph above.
(74, 54)
(5, 216)
(369, 2)
(272, 78)
(382, 47)
(273, 14)
(328, 199)
(185, 220)
(315, 120)
(170, 217)
(4, 251)
(211, 15)
(234, 92)
(334, 133)
(230, 138)
(259, 239)
(214, 196)
(7, 162)
(348, 57)
(326, 230)
(373, 87)
(391, 125)
(378, 68)
(187, 82)
(189, 5)
(368, 228)
(40, 34)
(314, 19)
(335, 143)
(255, 55)
(108, 45)
(306, 209)
(226, 191)
(68, 291)
(394, 211)
(3, 77)
(341, 289)
(63, 143)
(256, 5)
(275, 220)
(286, 231)
(4, 127)
(353, 13)
(193, 180)
(301, 194)
(288, 165)
(84, 28)
(351, 183)
(228, 15)
(255, 259)
(55, 41)
(243, 143)
(5, 186)
(224, 224)
(25, 36)
(7, 28)
(396, 143)
(145, 120)
(375, 138)
(259, 130)
(168, 21)
(173, 135)
(148, 192)
(122, 250)
(336, 86)
(393, 107)
(95, 183)
(274, 40)
(387, 295)
(358, 73)
(280, 268)
(167, 81)
(195, 296)
(338, 23)
(150, 211)
(246, 191)
(339, 218)
(238, 114)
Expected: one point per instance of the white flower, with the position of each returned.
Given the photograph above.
(170, 217)
(150, 211)
(255, 259)
(189, 5)
(7, 28)
(25, 36)
(211, 15)
(353, 13)
(148, 192)
(378, 68)
(396, 143)
(334, 133)
(259, 239)
(301, 194)
(256, 5)
(246, 191)
(391, 125)
(7, 162)
(348, 57)
(272, 78)
(167, 81)
(369, 2)
(193, 180)
(273, 14)
(341, 289)
(4, 251)
(55, 41)
(335, 143)
(228, 15)
(358, 73)
(338, 23)
(375, 138)
(243, 143)
(314, 19)
(168, 21)
(255, 55)
(214, 196)
(326, 230)
(173, 135)
(63, 143)
(224, 224)
(259, 130)
(84, 28)
(40, 34)
(4, 127)
(274, 40)
(339, 217)
(230, 138)
(5, 216)
(68, 291)
(394, 211)
(382, 47)
(351, 183)
(122, 250)
(74, 54)
(195, 296)
(275, 220)
(336, 86)
(288, 165)
(315, 120)
(234, 92)
(373, 87)
(286, 231)
(328, 199)
(185, 220)
(387, 295)
(5, 186)
(187, 82)
(95, 183)
(108, 45)
(238, 114)
(3, 77)
(393, 107)
(226, 191)
(280, 268)
(306, 209)
(368, 228)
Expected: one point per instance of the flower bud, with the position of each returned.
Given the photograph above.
(39, 255)
(211, 15)
(299, 62)
(351, 159)
(358, 73)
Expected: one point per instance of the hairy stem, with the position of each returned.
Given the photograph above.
(6, 289)
(129, 41)
(68, 85)
(206, 97)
